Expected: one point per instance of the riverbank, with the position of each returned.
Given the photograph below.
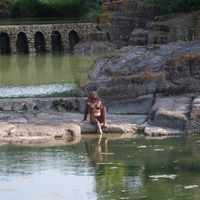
(47, 120)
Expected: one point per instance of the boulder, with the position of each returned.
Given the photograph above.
(138, 105)
(137, 24)
(160, 81)
(131, 72)
(138, 37)
(95, 47)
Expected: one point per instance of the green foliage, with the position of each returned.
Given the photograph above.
(46, 8)
(24, 8)
(3, 3)
(67, 8)
(84, 9)
(79, 80)
(92, 12)
(5, 7)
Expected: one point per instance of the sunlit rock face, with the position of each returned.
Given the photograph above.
(161, 81)
(131, 72)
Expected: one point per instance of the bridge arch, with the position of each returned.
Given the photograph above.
(4, 43)
(56, 41)
(22, 43)
(39, 42)
(73, 39)
(38, 38)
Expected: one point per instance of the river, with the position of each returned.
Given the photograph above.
(107, 168)
(104, 168)
(42, 75)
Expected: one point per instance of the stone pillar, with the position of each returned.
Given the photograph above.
(47, 38)
(47, 31)
(30, 40)
(13, 39)
(65, 39)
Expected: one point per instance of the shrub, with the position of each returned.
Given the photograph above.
(25, 8)
(92, 12)
(47, 8)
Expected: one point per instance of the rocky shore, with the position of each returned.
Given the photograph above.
(43, 120)
(149, 88)
(146, 90)
(160, 81)
(46, 120)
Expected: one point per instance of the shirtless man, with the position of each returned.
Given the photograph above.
(97, 111)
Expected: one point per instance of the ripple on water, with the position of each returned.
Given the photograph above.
(35, 90)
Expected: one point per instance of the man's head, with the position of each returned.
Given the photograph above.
(93, 95)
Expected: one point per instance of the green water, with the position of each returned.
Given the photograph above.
(48, 74)
(110, 168)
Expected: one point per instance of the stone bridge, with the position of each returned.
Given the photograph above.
(43, 38)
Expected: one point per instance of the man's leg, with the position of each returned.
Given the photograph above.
(96, 122)
(103, 116)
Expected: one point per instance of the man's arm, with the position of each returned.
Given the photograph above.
(101, 105)
(86, 111)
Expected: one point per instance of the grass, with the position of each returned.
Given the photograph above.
(79, 80)
(92, 12)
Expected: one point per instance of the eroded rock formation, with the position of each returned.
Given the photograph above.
(161, 81)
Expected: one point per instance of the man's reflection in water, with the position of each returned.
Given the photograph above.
(96, 150)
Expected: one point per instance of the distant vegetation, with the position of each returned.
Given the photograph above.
(76, 9)
(79, 9)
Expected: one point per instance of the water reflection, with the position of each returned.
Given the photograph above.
(40, 61)
(96, 150)
(17, 72)
(106, 167)
(5, 63)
